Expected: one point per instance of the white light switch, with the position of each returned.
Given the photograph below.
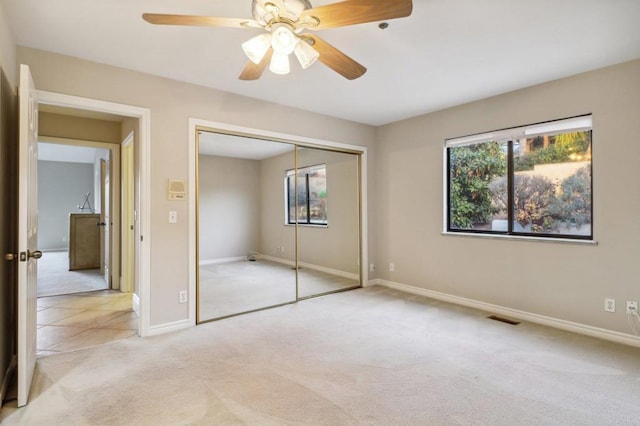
(173, 217)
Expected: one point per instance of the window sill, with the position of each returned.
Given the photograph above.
(306, 225)
(522, 238)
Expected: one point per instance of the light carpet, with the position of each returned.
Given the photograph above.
(55, 278)
(371, 356)
(233, 287)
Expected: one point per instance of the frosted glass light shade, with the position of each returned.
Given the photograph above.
(257, 47)
(283, 40)
(306, 54)
(279, 63)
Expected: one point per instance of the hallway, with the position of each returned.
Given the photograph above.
(55, 278)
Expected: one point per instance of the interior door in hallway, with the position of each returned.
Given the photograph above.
(127, 255)
(105, 220)
(27, 233)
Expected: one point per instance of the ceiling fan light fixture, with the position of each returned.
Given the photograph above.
(257, 47)
(306, 54)
(279, 63)
(285, 23)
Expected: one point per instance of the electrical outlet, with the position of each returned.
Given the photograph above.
(610, 305)
(392, 267)
(632, 306)
(182, 296)
(372, 267)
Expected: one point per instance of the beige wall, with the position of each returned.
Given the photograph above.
(229, 207)
(172, 103)
(273, 232)
(564, 281)
(81, 128)
(7, 49)
(7, 219)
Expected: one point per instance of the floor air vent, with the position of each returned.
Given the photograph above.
(504, 320)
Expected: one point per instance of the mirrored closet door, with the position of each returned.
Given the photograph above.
(241, 239)
(276, 223)
(328, 212)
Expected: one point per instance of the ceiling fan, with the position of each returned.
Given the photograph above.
(286, 23)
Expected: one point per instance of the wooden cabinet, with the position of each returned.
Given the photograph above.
(84, 241)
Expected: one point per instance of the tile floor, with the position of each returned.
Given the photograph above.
(76, 321)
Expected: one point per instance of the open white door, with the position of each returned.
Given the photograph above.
(27, 234)
(127, 254)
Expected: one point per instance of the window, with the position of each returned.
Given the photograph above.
(312, 196)
(532, 180)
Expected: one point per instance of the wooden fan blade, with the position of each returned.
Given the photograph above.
(205, 21)
(353, 12)
(335, 59)
(253, 71)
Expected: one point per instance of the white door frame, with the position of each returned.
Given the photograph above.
(143, 230)
(194, 123)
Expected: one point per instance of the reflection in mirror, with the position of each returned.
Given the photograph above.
(245, 253)
(328, 215)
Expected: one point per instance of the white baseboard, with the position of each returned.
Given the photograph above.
(372, 282)
(319, 268)
(7, 378)
(587, 330)
(135, 302)
(222, 260)
(155, 330)
(277, 260)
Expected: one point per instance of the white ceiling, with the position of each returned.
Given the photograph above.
(222, 145)
(447, 53)
(66, 153)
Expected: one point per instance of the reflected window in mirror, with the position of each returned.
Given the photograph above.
(311, 206)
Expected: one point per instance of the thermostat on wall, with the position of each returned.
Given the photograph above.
(177, 189)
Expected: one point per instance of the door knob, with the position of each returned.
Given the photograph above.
(101, 224)
(37, 254)
(11, 256)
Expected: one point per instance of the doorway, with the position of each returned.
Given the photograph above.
(75, 201)
(137, 120)
(80, 300)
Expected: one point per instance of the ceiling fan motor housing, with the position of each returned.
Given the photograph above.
(265, 11)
